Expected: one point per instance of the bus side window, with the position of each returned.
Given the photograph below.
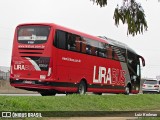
(71, 42)
(109, 52)
(86, 43)
(60, 39)
(102, 49)
(88, 49)
(93, 50)
(123, 55)
(115, 53)
(83, 46)
(107, 47)
(78, 43)
(94, 47)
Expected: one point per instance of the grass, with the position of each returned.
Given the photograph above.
(87, 103)
(81, 103)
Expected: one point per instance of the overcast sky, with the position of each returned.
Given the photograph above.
(83, 16)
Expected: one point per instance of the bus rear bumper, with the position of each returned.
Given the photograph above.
(35, 85)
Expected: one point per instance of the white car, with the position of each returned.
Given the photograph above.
(151, 86)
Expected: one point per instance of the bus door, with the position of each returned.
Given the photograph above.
(133, 63)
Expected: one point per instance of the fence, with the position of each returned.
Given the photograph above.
(4, 75)
(6, 88)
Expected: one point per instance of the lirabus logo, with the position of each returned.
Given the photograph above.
(108, 75)
(23, 67)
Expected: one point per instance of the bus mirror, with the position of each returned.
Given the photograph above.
(143, 61)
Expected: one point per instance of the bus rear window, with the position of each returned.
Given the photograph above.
(33, 34)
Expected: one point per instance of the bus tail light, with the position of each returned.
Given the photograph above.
(50, 67)
(11, 69)
(49, 71)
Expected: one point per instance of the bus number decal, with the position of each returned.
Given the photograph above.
(109, 76)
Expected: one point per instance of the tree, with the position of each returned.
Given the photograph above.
(130, 13)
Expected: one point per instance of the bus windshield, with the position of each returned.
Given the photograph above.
(33, 34)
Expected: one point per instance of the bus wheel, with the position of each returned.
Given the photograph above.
(82, 88)
(127, 90)
(48, 93)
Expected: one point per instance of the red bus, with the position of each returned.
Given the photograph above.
(52, 59)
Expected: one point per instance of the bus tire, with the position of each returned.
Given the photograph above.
(48, 93)
(82, 88)
(127, 90)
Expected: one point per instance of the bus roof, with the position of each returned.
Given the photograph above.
(98, 38)
(117, 43)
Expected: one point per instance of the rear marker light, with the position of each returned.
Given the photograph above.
(49, 71)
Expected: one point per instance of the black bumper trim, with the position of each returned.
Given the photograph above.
(44, 83)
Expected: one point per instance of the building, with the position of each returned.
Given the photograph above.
(4, 73)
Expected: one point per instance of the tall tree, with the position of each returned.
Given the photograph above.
(130, 13)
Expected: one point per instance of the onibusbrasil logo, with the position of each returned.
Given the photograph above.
(21, 114)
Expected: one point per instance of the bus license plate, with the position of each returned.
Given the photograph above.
(29, 82)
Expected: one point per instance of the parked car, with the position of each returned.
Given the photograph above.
(151, 86)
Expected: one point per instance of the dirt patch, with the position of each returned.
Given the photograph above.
(6, 88)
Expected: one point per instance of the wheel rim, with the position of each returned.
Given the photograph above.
(127, 90)
(81, 89)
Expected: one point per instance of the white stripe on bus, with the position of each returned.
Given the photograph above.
(34, 64)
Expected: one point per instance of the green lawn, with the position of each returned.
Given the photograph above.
(81, 103)
(93, 105)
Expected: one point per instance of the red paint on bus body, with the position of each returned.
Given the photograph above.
(51, 68)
